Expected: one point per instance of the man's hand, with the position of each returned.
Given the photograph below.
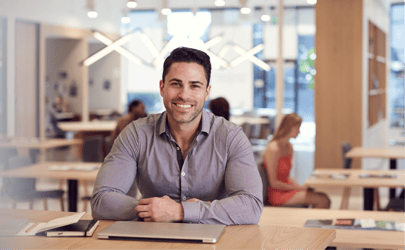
(160, 209)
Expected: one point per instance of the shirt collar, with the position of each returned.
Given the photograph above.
(203, 127)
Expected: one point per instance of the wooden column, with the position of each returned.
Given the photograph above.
(338, 82)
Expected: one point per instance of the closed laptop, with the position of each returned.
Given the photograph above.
(156, 230)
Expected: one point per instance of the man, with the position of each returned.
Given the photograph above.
(136, 110)
(188, 165)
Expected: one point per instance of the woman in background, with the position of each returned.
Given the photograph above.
(284, 190)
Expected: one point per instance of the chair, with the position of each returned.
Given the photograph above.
(396, 204)
(23, 189)
(347, 164)
(92, 152)
(265, 181)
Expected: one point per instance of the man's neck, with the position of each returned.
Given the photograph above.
(184, 133)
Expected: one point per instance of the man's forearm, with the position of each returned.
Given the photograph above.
(111, 205)
(235, 210)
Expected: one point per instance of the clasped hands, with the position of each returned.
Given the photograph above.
(161, 209)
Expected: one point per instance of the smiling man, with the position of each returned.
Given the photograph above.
(188, 164)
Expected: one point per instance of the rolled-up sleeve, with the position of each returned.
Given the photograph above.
(116, 177)
(243, 185)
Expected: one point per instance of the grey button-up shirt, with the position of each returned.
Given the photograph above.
(219, 167)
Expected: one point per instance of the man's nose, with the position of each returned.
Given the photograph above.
(184, 93)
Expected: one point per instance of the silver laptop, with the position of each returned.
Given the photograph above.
(156, 230)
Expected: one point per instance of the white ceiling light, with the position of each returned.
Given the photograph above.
(311, 1)
(219, 3)
(91, 11)
(166, 10)
(245, 10)
(132, 4)
(265, 17)
(266, 13)
(125, 18)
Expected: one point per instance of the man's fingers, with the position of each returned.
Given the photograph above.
(144, 215)
(144, 201)
(141, 208)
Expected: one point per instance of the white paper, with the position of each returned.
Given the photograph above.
(367, 223)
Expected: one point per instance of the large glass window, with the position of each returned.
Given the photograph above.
(298, 87)
(396, 91)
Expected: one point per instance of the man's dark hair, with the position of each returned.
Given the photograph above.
(220, 107)
(133, 104)
(188, 55)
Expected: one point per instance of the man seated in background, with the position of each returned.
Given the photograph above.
(136, 110)
(189, 165)
(220, 107)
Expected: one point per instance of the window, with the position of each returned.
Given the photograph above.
(396, 90)
(298, 90)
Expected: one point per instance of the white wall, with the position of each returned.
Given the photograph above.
(107, 68)
(377, 12)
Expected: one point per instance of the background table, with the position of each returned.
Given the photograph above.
(296, 217)
(41, 145)
(355, 181)
(41, 170)
(234, 237)
(392, 153)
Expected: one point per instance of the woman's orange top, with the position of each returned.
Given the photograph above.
(278, 197)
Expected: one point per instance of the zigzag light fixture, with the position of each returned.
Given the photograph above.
(111, 46)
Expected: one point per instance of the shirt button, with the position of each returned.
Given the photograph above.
(183, 174)
(184, 198)
(178, 148)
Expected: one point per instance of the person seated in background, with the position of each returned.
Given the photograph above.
(220, 107)
(284, 190)
(136, 110)
(189, 165)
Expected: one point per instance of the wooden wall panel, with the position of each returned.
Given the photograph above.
(338, 82)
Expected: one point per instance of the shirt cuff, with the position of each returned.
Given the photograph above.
(191, 212)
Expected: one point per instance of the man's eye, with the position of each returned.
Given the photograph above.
(195, 86)
(175, 83)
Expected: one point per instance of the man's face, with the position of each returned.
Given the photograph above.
(184, 91)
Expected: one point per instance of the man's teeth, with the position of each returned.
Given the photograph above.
(183, 106)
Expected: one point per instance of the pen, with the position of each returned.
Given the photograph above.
(31, 227)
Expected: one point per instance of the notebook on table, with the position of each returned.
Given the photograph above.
(156, 230)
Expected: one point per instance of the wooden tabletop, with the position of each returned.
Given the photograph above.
(41, 170)
(239, 120)
(296, 217)
(88, 126)
(36, 143)
(390, 153)
(236, 237)
(355, 181)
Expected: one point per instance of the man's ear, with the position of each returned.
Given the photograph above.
(207, 92)
(161, 86)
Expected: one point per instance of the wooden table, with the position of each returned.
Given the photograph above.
(41, 170)
(88, 126)
(234, 237)
(296, 217)
(391, 153)
(355, 181)
(36, 143)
